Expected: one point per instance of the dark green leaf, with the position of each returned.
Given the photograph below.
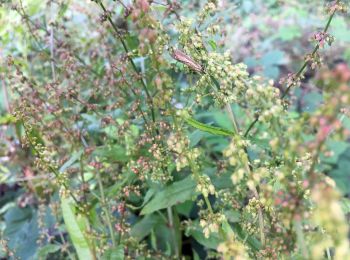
(197, 233)
(176, 193)
(111, 153)
(114, 254)
(46, 250)
(142, 228)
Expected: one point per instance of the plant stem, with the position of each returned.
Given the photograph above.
(232, 117)
(171, 225)
(301, 239)
(255, 191)
(125, 47)
(6, 96)
(49, 167)
(52, 50)
(236, 130)
(299, 73)
(105, 207)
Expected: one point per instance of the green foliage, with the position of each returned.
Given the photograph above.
(174, 130)
(206, 128)
(77, 227)
(176, 193)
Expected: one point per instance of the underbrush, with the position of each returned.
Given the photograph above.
(134, 135)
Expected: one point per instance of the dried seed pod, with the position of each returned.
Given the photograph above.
(185, 59)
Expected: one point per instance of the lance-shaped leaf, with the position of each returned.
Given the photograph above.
(173, 194)
(207, 128)
(76, 226)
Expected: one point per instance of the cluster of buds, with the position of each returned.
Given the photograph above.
(179, 144)
(209, 8)
(336, 6)
(292, 80)
(236, 152)
(323, 37)
(264, 97)
(314, 59)
(204, 186)
(328, 214)
(232, 248)
(211, 223)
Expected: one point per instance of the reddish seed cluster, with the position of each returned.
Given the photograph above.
(81, 93)
(96, 165)
(322, 38)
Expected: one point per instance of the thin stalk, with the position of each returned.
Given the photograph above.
(6, 96)
(328, 252)
(25, 17)
(252, 124)
(207, 202)
(105, 207)
(255, 191)
(236, 130)
(171, 224)
(52, 169)
(192, 165)
(299, 73)
(83, 178)
(301, 239)
(52, 51)
(126, 49)
(317, 47)
(232, 117)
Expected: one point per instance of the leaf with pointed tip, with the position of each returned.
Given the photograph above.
(76, 226)
(173, 194)
(207, 128)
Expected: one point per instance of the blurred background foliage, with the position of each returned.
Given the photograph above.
(270, 36)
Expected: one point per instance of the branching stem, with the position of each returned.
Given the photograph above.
(298, 74)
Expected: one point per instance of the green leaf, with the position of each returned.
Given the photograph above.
(287, 33)
(7, 119)
(337, 148)
(114, 254)
(233, 215)
(76, 226)
(195, 137)
(63, 10)
(46, 250)
(144, 227)
(209, 129)
(274, 57)
(175, 193)
(71, 161)
(111, 153)
(196, 232)
(213, 45)
(345, 204)
(250, 240)
(21, 231)
(185, 208)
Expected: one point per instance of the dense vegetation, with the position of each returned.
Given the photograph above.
(174, 129)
